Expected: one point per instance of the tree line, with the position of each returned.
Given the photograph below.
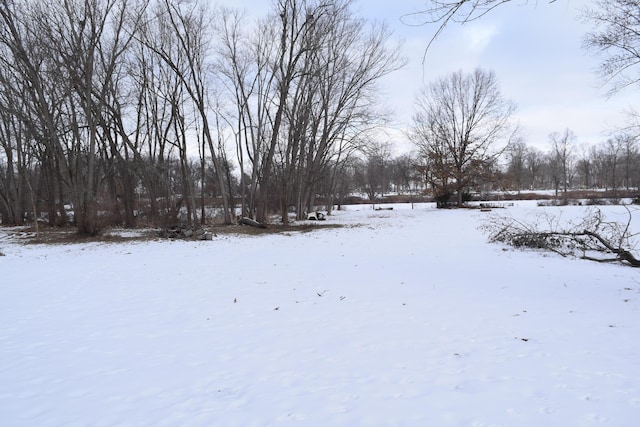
(118, 111)
(561, 163)
(611, 164)
(117, 108)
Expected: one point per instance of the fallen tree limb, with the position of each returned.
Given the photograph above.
(251, 222)
(593, 239)
(623, 255)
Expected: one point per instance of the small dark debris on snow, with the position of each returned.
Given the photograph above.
(250, 221)
(182, 231)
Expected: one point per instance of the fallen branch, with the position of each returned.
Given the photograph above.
(623, 255)
(251, 222)
(593, 239)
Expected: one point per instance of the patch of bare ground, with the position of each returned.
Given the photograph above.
(69, 235)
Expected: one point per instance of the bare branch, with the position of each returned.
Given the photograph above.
(615, 37)
(445, 12)
(593, 239)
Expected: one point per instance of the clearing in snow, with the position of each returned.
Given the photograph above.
(399, 318)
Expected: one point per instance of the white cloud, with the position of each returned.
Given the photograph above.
(477, 37)
(535, 50)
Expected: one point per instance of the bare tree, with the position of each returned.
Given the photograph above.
(585, 167)
(14, 153)
(612, 151)
(534, 162)
(562, 152)
(516, 154)
(68, 58)
(261, 74)
(445, 12)
(304, 91)
(616, 37)
(342, 70)
(458, 124)
(243, 70)
(33, 89)
(403, 173)
(630, 158)
(95, 36)
(374, 171)
(188, 24)
(296, 21)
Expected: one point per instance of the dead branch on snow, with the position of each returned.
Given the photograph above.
(594, 238)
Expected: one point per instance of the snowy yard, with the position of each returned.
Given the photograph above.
(400, 318)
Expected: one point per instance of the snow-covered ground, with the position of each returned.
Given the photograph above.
(401, 318)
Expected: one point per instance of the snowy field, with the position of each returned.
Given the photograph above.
(400, 318)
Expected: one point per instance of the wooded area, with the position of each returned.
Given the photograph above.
(122, 109)
(156, 112)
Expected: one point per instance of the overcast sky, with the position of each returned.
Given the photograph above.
(535, 49)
